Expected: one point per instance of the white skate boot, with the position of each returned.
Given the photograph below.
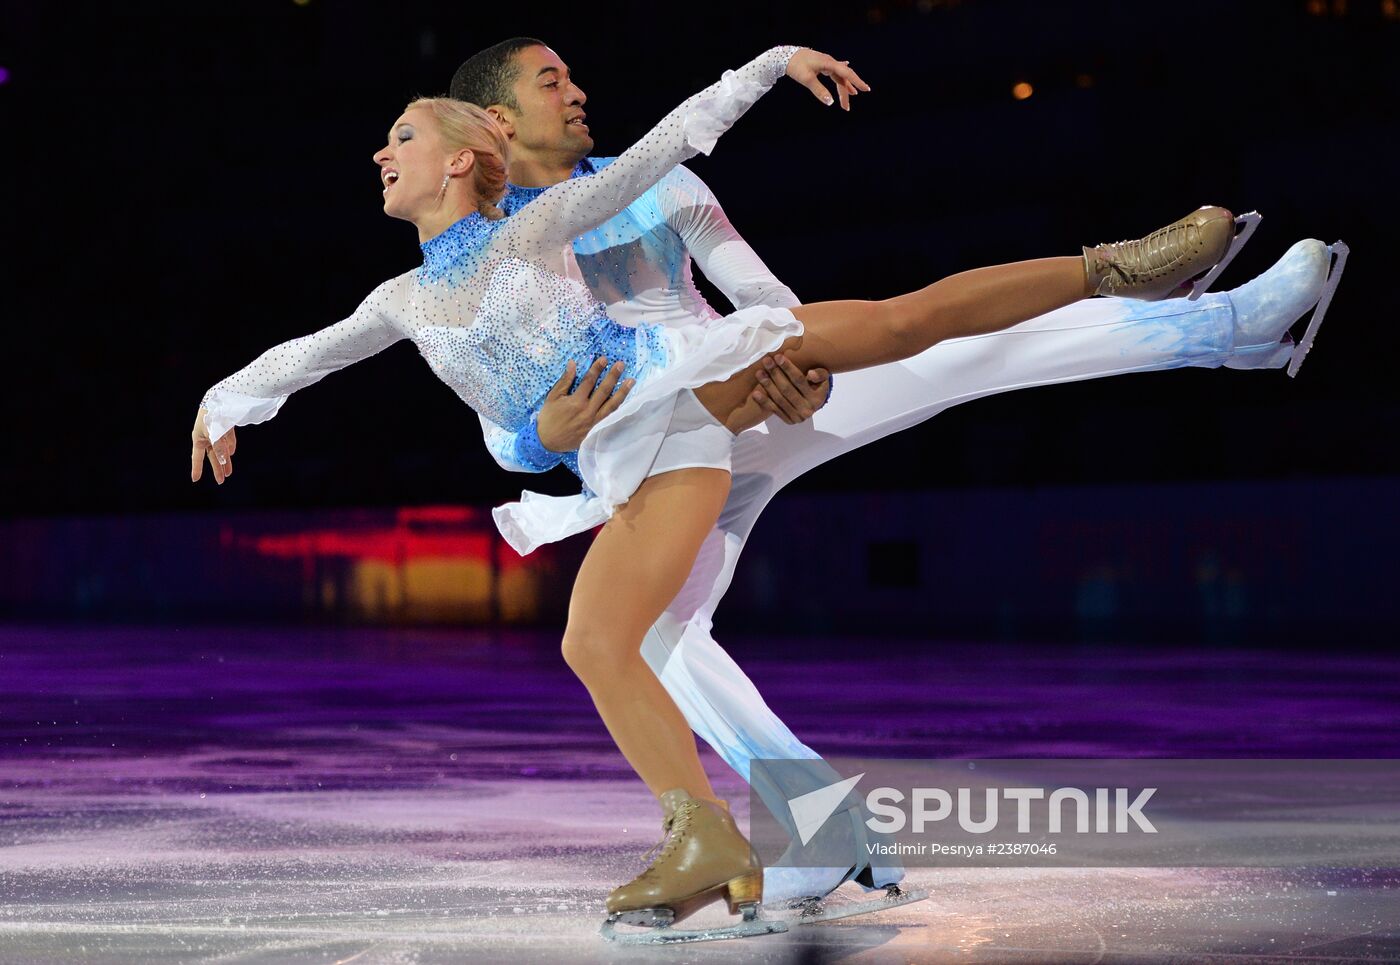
(808, 895)
(1267, 307)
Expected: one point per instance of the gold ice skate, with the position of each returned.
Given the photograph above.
(1185, 256)
(703, 859)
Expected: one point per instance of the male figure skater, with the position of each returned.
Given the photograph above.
(639, 265)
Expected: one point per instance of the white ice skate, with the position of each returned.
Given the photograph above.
(1338, 251)
(1268, 306)
(807, 895)
(1244, 227)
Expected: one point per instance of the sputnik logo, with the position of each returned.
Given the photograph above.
(810, 810)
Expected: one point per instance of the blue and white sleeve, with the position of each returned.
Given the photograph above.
(727, 260)
(518, 451)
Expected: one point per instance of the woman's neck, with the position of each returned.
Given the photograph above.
(445, 216)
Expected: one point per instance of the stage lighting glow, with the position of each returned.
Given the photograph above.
(1022, 90)
(4, 75)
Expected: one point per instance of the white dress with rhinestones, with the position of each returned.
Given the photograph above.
(499, 307)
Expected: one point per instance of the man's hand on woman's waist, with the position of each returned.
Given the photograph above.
(570, 414)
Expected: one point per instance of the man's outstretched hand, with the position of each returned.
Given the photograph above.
(566, 417)
(786, 392)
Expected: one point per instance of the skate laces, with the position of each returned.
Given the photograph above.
(1130, 259)
(1155, 251)
(675, 827)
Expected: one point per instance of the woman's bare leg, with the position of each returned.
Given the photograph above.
(633, 570)
(847, 335)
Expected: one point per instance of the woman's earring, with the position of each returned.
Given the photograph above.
(442, 192)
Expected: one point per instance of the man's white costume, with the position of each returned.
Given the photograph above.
(639, 265)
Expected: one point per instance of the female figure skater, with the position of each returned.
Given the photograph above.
(497, 309)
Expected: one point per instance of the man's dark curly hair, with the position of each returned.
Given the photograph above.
(488, 76)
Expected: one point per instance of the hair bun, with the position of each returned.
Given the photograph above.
(464, 125)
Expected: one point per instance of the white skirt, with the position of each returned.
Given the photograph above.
(622, 450)
(695, 439)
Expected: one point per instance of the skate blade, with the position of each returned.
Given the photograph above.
(1244, 227)
(814, 911)
(665, 935)
(1339, 252)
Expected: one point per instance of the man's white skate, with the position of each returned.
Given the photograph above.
(1339, 251)
(656, 927)
(1244, 227)
(802, 886)
(810, 911)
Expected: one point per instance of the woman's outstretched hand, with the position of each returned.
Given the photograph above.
(807, 66)
(219, 453)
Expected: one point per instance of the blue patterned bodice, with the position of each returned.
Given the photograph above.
(530, 322)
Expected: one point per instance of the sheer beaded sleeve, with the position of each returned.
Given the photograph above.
(573, 207)
(694, 213)
(254, 393)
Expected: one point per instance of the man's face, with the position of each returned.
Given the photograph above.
(550, 118)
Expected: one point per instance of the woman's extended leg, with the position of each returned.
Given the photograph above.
(855, 334)
(847, 335)
(632, 571)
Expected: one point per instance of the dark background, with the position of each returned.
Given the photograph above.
(187, 184)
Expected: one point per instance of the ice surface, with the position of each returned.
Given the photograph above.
(338, 796)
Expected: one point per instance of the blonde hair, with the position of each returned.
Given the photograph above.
(464, 125)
